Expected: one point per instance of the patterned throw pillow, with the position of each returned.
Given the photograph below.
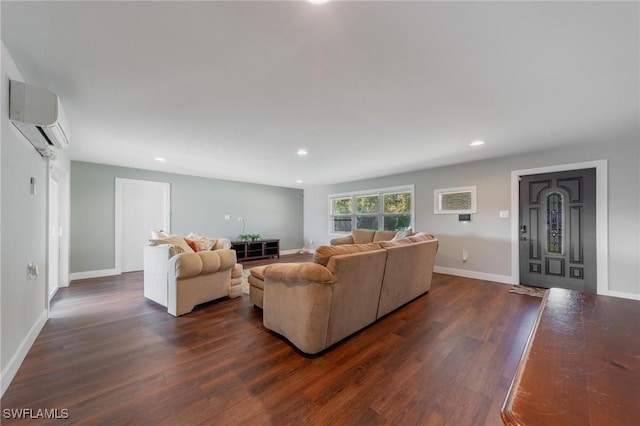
(403, 234)
(200, 242)
(172, 239)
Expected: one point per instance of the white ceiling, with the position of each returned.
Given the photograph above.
(232, 89)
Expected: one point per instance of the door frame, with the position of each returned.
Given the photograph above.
(53, 205)
(120, 183)
(602, 221)
(54, 174)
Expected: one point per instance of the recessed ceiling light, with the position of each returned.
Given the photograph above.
(299, 181)
(160, 159)
(318, 1)
(302, 152)
(477, 143)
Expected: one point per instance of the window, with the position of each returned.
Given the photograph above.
(454, 200)
(388, 209)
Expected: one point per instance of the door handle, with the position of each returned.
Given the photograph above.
(526, 239)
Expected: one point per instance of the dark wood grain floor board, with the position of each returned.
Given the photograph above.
(112, 357)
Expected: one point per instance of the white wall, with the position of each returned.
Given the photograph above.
(23, 310)
(487, 237)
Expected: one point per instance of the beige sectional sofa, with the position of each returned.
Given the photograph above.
(347, 287)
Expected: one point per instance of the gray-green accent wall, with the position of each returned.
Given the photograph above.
(487, 238)
(198, 205)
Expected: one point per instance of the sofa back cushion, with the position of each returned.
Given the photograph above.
(324, 253)
(189, 265)
(383, 236)
(362, 236)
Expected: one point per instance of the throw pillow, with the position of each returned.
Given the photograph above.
(172, 239)
(158, 234)
(403, 234)
(173, 250)
(200, 242)
(192, 244)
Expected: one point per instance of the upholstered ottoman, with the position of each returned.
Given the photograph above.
(236, 281)
(256, 285)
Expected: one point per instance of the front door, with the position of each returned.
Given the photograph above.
(558, 230)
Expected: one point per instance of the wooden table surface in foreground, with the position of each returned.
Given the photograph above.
(581, 365)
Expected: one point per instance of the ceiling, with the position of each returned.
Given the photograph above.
(232, 90)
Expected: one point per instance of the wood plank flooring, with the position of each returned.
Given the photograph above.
(111, 357)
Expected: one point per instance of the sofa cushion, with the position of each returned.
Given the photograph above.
(383, 236)
(362, 236)
(324, 253)
(342, 240)
(307, 271)
(210, 262)
(258, 272)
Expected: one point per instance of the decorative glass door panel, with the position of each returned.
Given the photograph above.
(554, 223)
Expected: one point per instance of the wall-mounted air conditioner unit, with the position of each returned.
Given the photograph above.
(38, 115)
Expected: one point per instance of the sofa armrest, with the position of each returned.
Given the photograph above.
(299, 310)
(342, 240)
(156, 259)
(299, 272)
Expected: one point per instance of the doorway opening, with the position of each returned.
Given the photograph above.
(141, 206)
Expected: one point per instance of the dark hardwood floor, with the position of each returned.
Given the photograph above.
(111, 357)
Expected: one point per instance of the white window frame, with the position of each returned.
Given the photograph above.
(437, 199)
(379, 192)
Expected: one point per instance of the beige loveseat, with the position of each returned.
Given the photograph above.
(183, 280)
(195, 278)
(347, 287)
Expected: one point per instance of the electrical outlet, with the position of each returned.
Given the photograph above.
(227, 217)
(465, 255)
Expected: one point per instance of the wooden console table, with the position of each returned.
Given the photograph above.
(259, 249)
(581, 364)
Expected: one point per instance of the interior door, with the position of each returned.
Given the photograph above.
(558, 230)
(142, 206)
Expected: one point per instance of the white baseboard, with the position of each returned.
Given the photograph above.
(623, 294)
(504, 279)
(92, 274)
(285, 252)
(9, 372)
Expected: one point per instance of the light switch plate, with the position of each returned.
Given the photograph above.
(504, 213)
